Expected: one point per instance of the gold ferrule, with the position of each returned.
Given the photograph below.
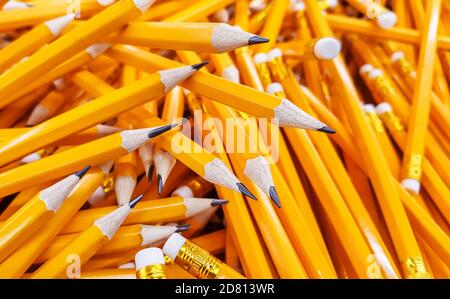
(264, 73)
(404, 67)
(414, 169)
(384, 86)
(108, 184)
(198, 261)
(278, 69)
(415, 268)
(392, 121)
(151, 272)
(168, 260)
(308, 49)
(375, 122)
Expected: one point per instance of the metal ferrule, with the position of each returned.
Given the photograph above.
(375, 122)
(392, 121)
(414, 168)
(151, 272)
(198, 261)
(404, 67)
(278, 69)
(108, 184)
(415, 268)
(264, 73)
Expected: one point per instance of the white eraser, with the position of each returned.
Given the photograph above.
(274, 53)
(387, 20)
(383, 108)
(333, 3)
(149, 256)
(375, 73)
(411, 185)
(274, 88)
(369, 108)
(183, 191)
(299, 6)
(327, 48)
(173, 245)
(260, 58)
(365, 69)
(397, 56)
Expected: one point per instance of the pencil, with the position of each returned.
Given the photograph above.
(35, 213)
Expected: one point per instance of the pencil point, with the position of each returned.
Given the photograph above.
(199, 65)
(150, 173)
(160, 184)
(134, 202)
(82, 172)
(257, 40)
(274, 196)
(159, 130)
(182, 227)
(218, 202)
(245, 191)
(327, 130)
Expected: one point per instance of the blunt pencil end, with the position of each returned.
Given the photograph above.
(274, 196)
(82, 172)
(150, 173)
(134, 202)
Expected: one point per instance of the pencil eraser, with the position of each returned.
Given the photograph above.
(411, 185)
(183, 191)
(333, 3)
(397, 56)
(260, 58)
(173, 245)
(375, 73)
(149, 256)
(274, 88)
(366, 68)
(274, 53)
(299, 6)
(327, 48)
(369, 108)
(387, 20)
(383, 108)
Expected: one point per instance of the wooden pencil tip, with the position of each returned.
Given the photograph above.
(159, 130)
(327, 130)
(199, 65)
(257, 40)
(160, 184)
(150, 173)
(274, 196)
(134, 202)
(82, 172)
(218, 202)
(245, 191)
(182, 227)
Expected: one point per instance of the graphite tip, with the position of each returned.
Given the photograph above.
(82, 172)
(134, 202)
(160, 184)
(159, 130)
(257, 40)
(274, 196)
(199, 65)
(327, 130)
(245, 191)
(150, 173)
(182, 227)
(218, 202)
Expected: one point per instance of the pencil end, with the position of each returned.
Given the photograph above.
(254, 40)
(182, 227)
(274, 196)
(199, 65)
(327, 130)
(135, 201)
(160, 184)
(160, 130)
(245, 191)
(218, 202)
(150, 173)
(82, 172)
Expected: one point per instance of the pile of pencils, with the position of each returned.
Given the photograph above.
(224, 139)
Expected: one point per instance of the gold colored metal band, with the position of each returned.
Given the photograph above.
(151, 272)
(198, 261)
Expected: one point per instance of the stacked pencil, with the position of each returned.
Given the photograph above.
(224, 139)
